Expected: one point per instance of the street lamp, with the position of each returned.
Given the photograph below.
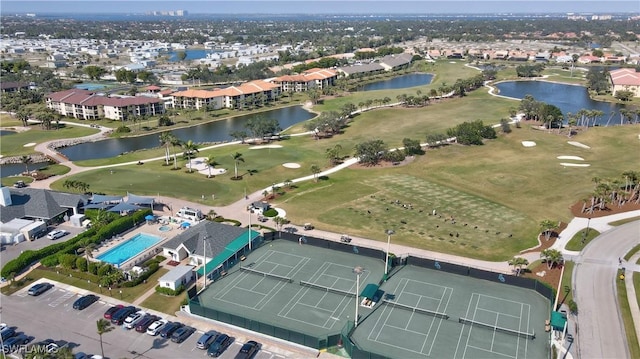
(389, 232)
(357, 270)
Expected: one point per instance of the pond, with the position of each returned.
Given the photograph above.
(217, 131)
(6, 132)
(568, 98)
(400, 82)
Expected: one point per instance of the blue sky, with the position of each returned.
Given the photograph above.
(320, 6)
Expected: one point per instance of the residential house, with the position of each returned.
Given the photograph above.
(13, 86)
(626, 79)
(56, 61)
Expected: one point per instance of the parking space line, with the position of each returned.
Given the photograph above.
(62, 299)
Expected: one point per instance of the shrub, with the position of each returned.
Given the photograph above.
(105, 269)
(160, 258)
(123, 129)
(81, 264)
(271, 212)
(50, 261)
(169, 291)
(92, 267)
(67, 260)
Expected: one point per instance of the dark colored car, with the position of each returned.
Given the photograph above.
(121, 314)
(145, 322)
(169, 328)
(248, 350)
(39, 288)
(85, 301)
(181, 334)
(112, 310)
(7, 333)
(219, 345)
(10, 345)
(206, 339)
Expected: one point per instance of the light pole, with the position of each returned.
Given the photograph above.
(389, 232)
(204, 252)
(357, 270)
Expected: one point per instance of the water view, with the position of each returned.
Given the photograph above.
(217, 131)
(400, 82)
(568, 98)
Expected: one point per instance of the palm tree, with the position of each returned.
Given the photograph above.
(237, 158)
(25, 160)
(315, 169)
(23, 115)
(190, 148)
(547, 227)
(553, 257)
(166, 141)
(104, 326)
(211, 162)
(175, 142)
(88, 248)
(518, 263)
(280, 221)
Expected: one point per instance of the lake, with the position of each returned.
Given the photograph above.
(400, 82)
(217, 131)
(568, 98)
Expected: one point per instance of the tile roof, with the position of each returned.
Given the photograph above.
(625, 77)
(90, 98)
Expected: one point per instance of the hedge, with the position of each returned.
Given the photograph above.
(91, 236)
(152, 267)
(169, 291)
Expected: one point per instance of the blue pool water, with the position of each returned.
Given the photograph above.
(129, 249)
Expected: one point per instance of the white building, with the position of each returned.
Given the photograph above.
(180, 275)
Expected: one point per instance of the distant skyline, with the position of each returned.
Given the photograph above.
(9, 7)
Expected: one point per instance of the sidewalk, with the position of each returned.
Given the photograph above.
(630, 268)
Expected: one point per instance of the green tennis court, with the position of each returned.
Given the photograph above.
(420, 317)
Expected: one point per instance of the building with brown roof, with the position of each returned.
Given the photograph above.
(13, 86)
(311, 79)
(89, 105)
(627, 79)
(246, 95)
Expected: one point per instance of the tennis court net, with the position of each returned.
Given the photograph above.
(531, 335)
(415, 309)
(265, 274)
(326, 289)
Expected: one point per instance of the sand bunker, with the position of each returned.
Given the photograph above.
(291, 165)
(575, 164)
(577, 144)
(574, 158)
(528, 143)
(264, 146)
(30, 144)
(199, 164)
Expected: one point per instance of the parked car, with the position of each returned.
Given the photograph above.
(19, 184)
(206, 339)
(248, 350)
(155, 327)
(181, 334)
(109, 313)
(85, 301)
(219, 345)
(57, 233)
(7, 333)
(308, 226)
(48, 345)
(168, 330)
(39, 288)
(10, 345)
(119, 316)
(144, 323)
(133, 318)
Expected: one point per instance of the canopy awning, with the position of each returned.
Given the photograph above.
(100, 198)
(370, 291)
(229, 251)
(558, 320)
(124, 207)
(98, 206)
(132, 198)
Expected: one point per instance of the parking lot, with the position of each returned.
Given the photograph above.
(51, 316)
(11, 251)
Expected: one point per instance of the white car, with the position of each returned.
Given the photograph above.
(57, 233)
(132, 319)
(155, 327)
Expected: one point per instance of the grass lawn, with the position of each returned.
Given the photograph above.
(633, 251)
(164, 303)
(13, 145)
(577, 243)
(566, 281)
(632, 339)
(636, 285)
(624, 221)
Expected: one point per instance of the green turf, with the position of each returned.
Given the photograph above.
(581, 239)
(13, 145)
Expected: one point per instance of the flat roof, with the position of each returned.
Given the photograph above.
(175, 274)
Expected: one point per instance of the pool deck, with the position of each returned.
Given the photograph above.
(148, 228)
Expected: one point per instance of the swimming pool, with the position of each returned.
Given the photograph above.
(129, 249)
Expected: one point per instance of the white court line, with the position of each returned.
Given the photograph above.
(464, 354)
(463, 326)
(444, 310)
(488, 351)
(500, 313)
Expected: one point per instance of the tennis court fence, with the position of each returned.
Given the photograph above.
(416, 309)
(326, 289)
(531, 335)
(265, 274)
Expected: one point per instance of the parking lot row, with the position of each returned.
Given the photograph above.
(79, 329)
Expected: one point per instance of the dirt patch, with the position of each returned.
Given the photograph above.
(551, 276)
(576, 210)
(384, 164)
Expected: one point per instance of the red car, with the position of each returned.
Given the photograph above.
(110, 311)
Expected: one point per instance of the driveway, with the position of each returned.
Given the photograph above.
(601, 331)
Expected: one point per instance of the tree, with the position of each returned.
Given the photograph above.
(94, 72)
(517, 263)
(315, 169)
(166, 139)
(211, 162)
(237, 158)
(175, 142)
(553, 257)
(26, 160)
(412, 147)
(547, 227)
(239, 135)
(190, 149)
(370, 153)
(334, 154)
(104, 326)
(23, 114)
(280, 221)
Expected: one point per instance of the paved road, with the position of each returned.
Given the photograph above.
(600, 328)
